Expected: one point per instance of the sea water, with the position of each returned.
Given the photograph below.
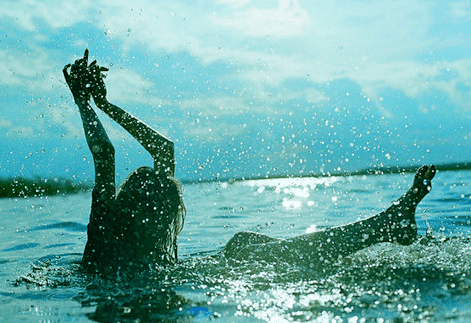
(42, 240)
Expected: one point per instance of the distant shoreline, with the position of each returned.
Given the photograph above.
(24, 187)
(34, 187)
(409, 169)
(366, 171)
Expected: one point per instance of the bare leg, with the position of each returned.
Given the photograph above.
(241, 240)
(396, 224)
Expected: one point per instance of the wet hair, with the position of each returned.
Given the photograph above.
(151, 200)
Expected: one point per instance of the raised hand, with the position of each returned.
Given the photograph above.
(84, 80)
(79, 79)
(98, 88)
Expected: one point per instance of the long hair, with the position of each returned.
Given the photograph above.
(151, 197)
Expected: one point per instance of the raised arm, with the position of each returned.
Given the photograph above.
(160, 148)
(98, 142)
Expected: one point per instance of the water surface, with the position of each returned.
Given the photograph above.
(42, 240)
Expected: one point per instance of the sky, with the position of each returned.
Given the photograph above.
(244, 88)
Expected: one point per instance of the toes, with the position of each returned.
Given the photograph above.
(430, 172)
(421, 171)
(426, 172)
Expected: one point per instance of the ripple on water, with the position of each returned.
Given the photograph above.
(385, 281)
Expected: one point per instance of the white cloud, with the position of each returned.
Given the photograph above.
(155, 26)
(213, 130)
(460, 9)
(30, 69)
(314, 96)
(20, 131)
(417, 79)
(287, 20)
(375, 44)
(4, 123)
(233, 3)
(30, 14)
(64, 114)
(127, 86)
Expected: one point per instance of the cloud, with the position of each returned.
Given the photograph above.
(253, 48)
(233, 3)
(127, 86)
(417, 79)
(287, 20)
(376, 44)
(31, 15)
(4, 123)
(460, 9)
(34, 69)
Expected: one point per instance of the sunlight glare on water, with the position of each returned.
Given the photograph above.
(295, 191)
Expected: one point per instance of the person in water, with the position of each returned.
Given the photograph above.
(138, 224)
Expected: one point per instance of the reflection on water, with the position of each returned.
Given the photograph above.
(427, 281)
(295, 191)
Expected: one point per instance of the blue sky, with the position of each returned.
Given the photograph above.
(244, 88)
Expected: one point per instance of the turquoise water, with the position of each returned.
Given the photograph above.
(42, 240)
